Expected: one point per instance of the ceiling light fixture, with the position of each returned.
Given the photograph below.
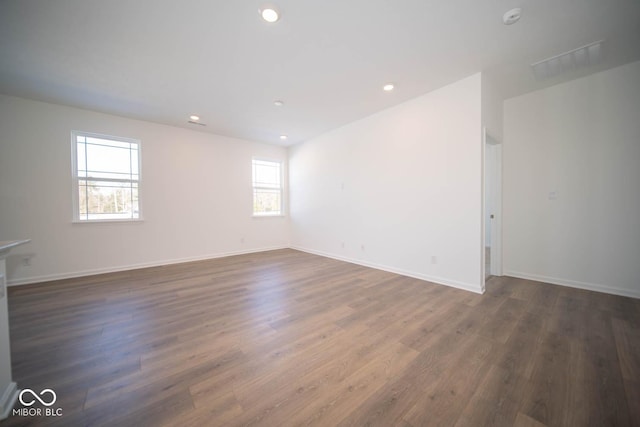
(269, 14)
(194, 117)
(388, 87)
(283, 137)
(278, 103)
(512, 16)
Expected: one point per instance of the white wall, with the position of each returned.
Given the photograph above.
(492, 109)
(581, 141)
(405, 183)
(196, 195)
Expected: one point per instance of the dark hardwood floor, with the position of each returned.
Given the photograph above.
(287, 338)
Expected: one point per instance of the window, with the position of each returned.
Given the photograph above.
(106, 177)
(267, 188)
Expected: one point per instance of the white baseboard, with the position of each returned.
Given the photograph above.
(575, 284)
(439, 280)
(433, 279)
(8, 399)
(70, 275)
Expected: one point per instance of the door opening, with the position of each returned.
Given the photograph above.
(492, 244)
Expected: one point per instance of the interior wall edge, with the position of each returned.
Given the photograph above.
(438, 280)
(597, 287)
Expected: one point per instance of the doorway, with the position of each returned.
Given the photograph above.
(492, 244)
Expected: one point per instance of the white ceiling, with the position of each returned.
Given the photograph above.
(162, 60)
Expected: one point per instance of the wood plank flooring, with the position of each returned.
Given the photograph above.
(285, 338)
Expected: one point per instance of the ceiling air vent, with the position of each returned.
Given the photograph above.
(584, 56)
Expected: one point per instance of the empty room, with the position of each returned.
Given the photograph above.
(339, 213)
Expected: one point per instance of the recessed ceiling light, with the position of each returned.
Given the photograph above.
(269, 14)
(283, 137)
(388, 87)
(512, 16)
(194, 117)
(278, 103)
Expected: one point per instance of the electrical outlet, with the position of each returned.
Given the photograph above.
(362, 246)
(242, 240)
(342, 244)
(434, 259)
(26, 261)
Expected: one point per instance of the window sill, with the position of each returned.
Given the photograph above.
(102, 221)
(268, 216)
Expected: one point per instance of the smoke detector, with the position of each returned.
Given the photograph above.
(512, 16)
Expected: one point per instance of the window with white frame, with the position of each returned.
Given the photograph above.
(106, 177)
(267, 188)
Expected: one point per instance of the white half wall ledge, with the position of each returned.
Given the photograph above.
(437, 280)
(596, 287)
(8, 400)
(76, 274)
